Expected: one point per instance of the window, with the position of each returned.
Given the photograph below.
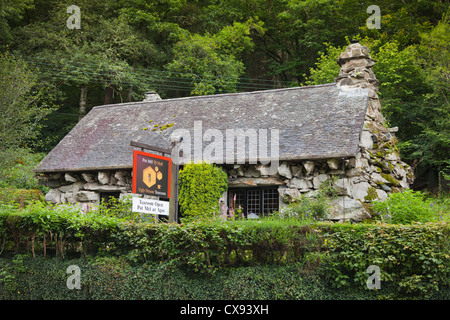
(260, 201)
(105, 197)
(270, 200)
(254, 201)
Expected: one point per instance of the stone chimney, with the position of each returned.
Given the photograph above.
(356, 72)
(356, 69)
(151, 96)
(378, 158)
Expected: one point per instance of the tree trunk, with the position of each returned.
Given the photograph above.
(82, 106)
(130, 94)
(108, 94)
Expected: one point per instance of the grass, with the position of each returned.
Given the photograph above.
(440, 207)
(274, 219)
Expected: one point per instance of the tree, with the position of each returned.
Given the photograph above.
(199, 64)
(106, 53)
(402, 83)
(326, 68)
(432, 144)
(23, 104)
(181, 47)
(211, 63)
(11, 11)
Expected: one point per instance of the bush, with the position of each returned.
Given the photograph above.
(20, 197)
(201, 246)
(17, 170)
(207, 247)
(18, 184)
(307, 208)
(310, 208)
(38, 227)
(200, 187)
(440, 206)
(114, 278)
(404, 208)
(414, 259)
(117, 208)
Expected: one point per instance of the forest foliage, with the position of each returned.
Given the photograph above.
(185, 47)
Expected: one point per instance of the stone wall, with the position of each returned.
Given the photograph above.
(84, 188)
(371, 175)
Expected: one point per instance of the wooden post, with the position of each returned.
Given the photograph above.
(173, 201)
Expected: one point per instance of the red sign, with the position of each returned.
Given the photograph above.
(151, 174)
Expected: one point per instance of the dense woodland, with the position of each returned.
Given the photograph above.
(51, 75)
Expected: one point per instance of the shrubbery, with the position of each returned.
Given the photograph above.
(20, 197)
(407, 207)
(115, 278)
(307, 208)
(311, 207)
(115, 246)
(17, 170)
(414, 259)
(200, 187)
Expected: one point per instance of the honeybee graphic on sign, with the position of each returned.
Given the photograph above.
(151, 174)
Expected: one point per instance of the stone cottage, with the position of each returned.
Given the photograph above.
(333, 132)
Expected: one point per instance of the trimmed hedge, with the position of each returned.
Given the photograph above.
(113, 278)
(204, 246)
(414, 259)
(25, 278)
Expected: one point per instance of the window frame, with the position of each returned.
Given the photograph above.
(245, 191)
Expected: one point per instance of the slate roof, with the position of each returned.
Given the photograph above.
(314, 122)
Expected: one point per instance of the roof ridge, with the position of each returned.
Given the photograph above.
(209, 96)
